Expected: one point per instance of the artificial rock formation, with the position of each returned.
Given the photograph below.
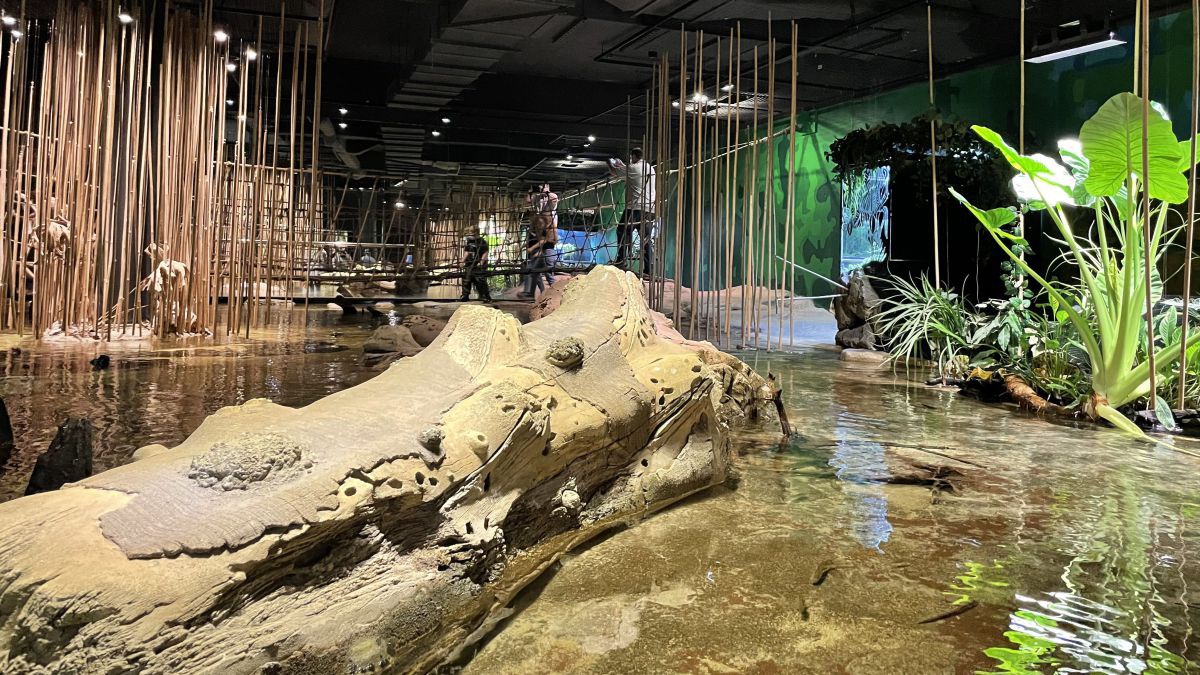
(855, 310)
(382, 528)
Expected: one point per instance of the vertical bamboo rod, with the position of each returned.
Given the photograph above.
(937, 266)
(1190, 231)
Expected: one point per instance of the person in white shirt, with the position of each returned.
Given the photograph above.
(639, 209)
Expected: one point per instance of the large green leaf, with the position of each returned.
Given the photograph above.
(1112, 143)
(1023, 163)
(993, 219)
(1072, 156)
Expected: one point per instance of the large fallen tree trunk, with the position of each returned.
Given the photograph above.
(381, 527)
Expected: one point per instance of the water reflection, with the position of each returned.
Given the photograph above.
(160, 392)
(861, 467)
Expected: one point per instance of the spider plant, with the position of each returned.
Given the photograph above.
(924, 321)
(1100, 172)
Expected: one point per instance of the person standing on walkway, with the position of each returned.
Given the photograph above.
(639, 208)
(475, 256)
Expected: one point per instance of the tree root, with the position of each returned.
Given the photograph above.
(1030, 400)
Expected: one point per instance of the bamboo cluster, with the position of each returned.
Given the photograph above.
(716, 126)
(131, 203)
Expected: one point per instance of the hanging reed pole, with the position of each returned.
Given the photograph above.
(1146, 240)
(1190, 230)
(933, 150)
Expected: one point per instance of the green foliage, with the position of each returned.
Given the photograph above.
(1107, 310)
(963, 159)
(922, 321)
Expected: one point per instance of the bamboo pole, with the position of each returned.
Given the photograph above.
(1148, 261)
(1190, 231)
(937, 266)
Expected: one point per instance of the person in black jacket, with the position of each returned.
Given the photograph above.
(475, 255)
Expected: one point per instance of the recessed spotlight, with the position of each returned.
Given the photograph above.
(728, 87)
(125, 17)
(8, 20)
(231, 66)
(591, 138)
(220, 36)
(570, 157)
(342, 125)
(436, 133)
(228, 101)
(587, 145)
(445, 120)
(342, 111)
(251, 54)
(399, 205)
(674, 104)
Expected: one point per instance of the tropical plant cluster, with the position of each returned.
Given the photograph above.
(964, 159)
(1082, 338)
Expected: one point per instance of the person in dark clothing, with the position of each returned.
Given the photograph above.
(475, 255)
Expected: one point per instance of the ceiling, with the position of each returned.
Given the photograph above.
(524, 83)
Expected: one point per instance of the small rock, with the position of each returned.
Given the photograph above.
(391, 340)
(100, 362)
(856, 338)
(431, 439)
(565, 353)
(570, 500)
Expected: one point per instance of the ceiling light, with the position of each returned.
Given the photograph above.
(342, 111)
(587, 145)
(251, 54)
(8, 20)
(231, 66)
(220, 36)
(17, 34)
(342, 125)
(399, 205)
(228, 101)
(445, 120)
(674, 104)
(1108, 40)
(570, 157)
(124, 17)
(591, 138)
(728, 87)
(436, 133)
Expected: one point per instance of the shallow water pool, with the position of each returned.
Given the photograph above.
(1052, 549)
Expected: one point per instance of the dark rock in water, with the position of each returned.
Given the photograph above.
(16, 351)
(101, 362)
(861, 337)
(6, 437)
(391, 340)
(1187, 422)
(69, 458)
(858, 304)
(322, 348)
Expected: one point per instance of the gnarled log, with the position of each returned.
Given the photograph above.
(378, 528)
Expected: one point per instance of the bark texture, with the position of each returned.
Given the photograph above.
(381, 528)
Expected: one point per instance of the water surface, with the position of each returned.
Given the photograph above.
(1059, 550)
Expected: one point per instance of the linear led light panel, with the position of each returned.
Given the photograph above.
(1112, 41)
